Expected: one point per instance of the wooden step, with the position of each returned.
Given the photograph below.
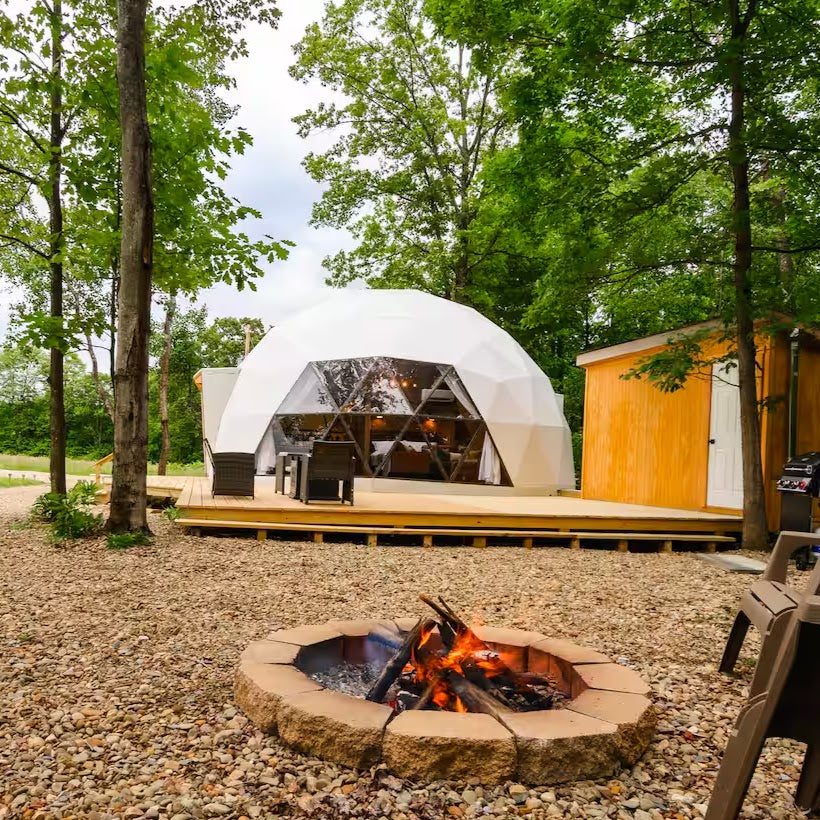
(479, 536)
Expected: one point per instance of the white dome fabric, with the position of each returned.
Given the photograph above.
(514, 397)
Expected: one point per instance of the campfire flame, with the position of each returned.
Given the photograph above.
(457, 672)
(429, 668)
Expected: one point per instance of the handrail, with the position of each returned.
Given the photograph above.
(98, 465)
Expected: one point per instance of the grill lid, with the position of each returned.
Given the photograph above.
(801, 474)
(807, 464)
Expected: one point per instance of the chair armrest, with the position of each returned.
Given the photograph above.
(787, 543)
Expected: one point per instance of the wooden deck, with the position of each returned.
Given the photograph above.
(478, 518)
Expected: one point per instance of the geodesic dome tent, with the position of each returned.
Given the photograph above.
(426, 389)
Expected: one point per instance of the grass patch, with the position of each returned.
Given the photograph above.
(126, 540)
(79, 466)
(5, 481)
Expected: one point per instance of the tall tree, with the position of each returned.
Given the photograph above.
(128, 487)
(35, 118)
(417, 120)
(696, 111)
(164, 368)
(223, 341)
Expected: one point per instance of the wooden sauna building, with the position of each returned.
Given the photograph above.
(682, 449)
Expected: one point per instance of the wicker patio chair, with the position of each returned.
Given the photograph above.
(768, 604)
(786, 708)
(233, 473)
(321, 472)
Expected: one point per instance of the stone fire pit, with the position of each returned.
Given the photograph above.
(608, 720)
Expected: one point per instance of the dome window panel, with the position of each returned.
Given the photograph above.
(309, 394)
(408, 419)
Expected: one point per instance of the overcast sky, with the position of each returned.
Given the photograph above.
(270, 176)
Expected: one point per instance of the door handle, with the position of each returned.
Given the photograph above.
(711, 441)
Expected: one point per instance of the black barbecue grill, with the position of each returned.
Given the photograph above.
(799, 485)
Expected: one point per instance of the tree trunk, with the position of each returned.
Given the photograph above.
(784, 257)
(112, 322)
(164, 363)
(755, 529)
(55, 207)
(128, 490)
(95, 377)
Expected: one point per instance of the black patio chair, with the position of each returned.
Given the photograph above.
(328, 465)
(233, 473)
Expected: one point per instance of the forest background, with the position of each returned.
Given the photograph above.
(565, 170)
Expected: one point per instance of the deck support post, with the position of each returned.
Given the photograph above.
(261, 535)
(372, 540)
(527, 543)
(666, 546)
(479, 541)
(711, 546)
(575, 543)
(427, 541)
(318, 537)
(623, 545)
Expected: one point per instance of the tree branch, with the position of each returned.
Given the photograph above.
(18, 173)
(28, 246)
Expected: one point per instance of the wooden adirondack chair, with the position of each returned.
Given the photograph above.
(768, 604)
(785, 708)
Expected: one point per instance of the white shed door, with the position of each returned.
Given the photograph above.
(725, 480)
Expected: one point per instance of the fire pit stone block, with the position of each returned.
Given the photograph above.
(259, 688)
(570, 652)
(306, 635)
(266, 651)
(334, 726)
(318, 645)
(449, 746)
(633, 714)
(359, 629)
(559, 745)
(512, 644)
(356, 648)
(610, 676)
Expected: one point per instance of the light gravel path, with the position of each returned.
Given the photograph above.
(116, 672)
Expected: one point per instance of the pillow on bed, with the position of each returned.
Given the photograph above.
(380, 448)
(417, 446)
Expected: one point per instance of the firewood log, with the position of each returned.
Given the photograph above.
(474, 697)
(392, 669)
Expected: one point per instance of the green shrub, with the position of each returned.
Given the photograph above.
(69, 516)
(126, 540)
(171, 513)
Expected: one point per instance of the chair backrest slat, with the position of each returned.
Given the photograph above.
(331, 459)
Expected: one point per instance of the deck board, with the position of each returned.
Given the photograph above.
(393, 509)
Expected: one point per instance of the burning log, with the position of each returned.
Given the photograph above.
(393, 668)
(449, 626)
(474, 698)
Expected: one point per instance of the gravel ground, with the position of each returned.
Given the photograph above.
(116, 672)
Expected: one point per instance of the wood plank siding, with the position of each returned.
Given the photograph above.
(642, 446)
(808, 400)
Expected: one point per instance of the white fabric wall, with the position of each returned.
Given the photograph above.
(217, 386)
